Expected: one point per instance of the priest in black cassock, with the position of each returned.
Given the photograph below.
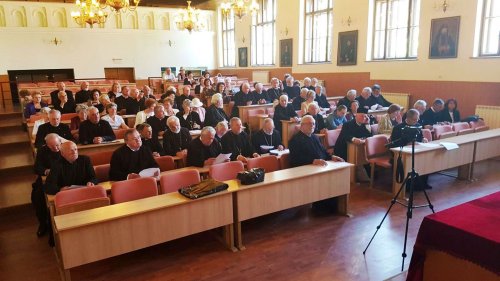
(313, 110)
(354, 131)
(241, 98)
(53, 126)
(131, 158)
(267, 137)
(236, 142)
(284, 111)
(158, 121)
(274, 93)
(71, 169)
(215, 112)
(176, 139)
(203, 150)
(149, 140)
(94, 129)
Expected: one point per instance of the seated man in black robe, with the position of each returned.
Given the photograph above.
(378, 98)
(284, 111)
(348, 99)
(366, 100)
(83, 95)
(71, 169)
(242, 98)
(158, 121)
(203, 150)
(236, 142)
(267, 137)
(176, 139)
(54, 94)
(149, 140)
(131, 158)
(355, 131)
(215, 112)
(53, 126)
(433, 115)
(94, 130)
(313, 110)
(321, 97)
(291, 89)
(297, 102)
(274, 93)
(259, 95)
(45, 158)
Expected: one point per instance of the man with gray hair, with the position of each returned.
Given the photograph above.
(291, 90)
(366, 100)
(94, 130)
(259, 95)
(53, 126)
(215, 112)
(236, 142)
(203, 150)
(348, 99)
(176, 139)
(267, 138)
(433, 114)
(83, 95)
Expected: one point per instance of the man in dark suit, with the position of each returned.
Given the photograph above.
(366, 100)
(284, 111)
(95, 130)
(433, 114)
(83, 95)
(274, 92)
(267, 137)
(236, 142)
(176, 139)
(242, 98)
(53, 126)
(203, 150)
(259, 95)
(54, 94)
(158, 121)
(121, 100)
(135, 103)
(149, 140)
(131, 158)
(348, 99)
(378, 98)
(355, 131)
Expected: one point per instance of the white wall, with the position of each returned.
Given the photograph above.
(142, 41)
(463, 68)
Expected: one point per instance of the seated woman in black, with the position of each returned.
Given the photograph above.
(450, 112)
(188, 118)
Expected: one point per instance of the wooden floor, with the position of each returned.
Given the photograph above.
(290, 245)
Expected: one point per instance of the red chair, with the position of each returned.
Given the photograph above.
(331, 139)
(100, 158)
(284, 161)
(374, 129)
(102, 172)
(426, 133)
(134, 189)
(166, 163)
(80, 199)
(269, 163)
(478, 123)
(377, 153)
(225, 171)
(457, 127)
(481, 128)
(120, 133)
(443, 131)
(172, 181)
(34, 118)
(465, 132)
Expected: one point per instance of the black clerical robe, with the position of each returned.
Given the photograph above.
(237, 144)
(380, 100)
(256, 97)
(320, 122)
(430, 117)
(157, 125)
(322, 101)
(283, 113)
(305, 149)
(273, 94)
(297, 102)
(44, 160)
(121, 101)
(124, 161)
(198, 152)
(88, 131)
(54, 97)
(62, 130)
(132, 106)
(83, 96)
(154, 145)
(346, 102)
(175, 142)
(292, 92)
(68, 107)
(214, 115)
(261, 138)
(64, 173)
(191, 120)
(240, 99)
(350, 130)
(366, 103)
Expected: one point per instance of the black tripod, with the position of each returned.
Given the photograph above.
(412, 177)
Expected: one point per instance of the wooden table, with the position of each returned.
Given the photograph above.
(243, 110)
(83, 237)
(356, 155)
(290, 188)
(94, 148)
(287, 131)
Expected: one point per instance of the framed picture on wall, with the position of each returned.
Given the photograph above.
(347, 54)
(286, 53)
(243, 57)
(444, 38)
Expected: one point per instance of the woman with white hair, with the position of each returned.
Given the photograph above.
(188, 118)
(45, 118)
(215, 113)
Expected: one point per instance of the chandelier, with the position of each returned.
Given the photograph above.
(240, 8)
(121, 5)
(89, 13)
(189, 19)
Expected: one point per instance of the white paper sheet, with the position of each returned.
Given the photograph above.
(449, 145)
(221, 158)
(278, 152)
(150, 172)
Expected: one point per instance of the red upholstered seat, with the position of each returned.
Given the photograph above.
(120, 133)
(166, 163)
(133, 189)
(100, 158)
(457, 127)
(427, 134)
(225, 171)
(443, 130)
(331, 139)
(102, 172)
(284, 161)
(377, 153)
(80, 199)
(172, 181)
(374, 129)
(269, 163)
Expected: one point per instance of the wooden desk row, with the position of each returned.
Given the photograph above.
(82, 237)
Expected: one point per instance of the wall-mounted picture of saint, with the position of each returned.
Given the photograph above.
(348, 48)
(444, 38)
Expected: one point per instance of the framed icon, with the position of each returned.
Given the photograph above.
(243, 57)
(347, 53)
(286, 53)
(444, 38)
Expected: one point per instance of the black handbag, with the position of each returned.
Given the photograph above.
(251, 176)
(203, 188)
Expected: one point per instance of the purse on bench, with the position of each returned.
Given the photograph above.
(203, 188)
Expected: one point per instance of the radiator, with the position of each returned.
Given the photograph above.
(398, 98)
(490, 114)
(260, 76)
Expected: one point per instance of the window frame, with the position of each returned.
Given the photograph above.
(482, 32)
(411, 16)
(255, 41)
(329, 17)
(225, 19)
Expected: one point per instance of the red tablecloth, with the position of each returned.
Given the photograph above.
(469, 231)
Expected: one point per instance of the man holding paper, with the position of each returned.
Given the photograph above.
(203, 150)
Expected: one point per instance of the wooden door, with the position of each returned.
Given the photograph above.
(120, 73)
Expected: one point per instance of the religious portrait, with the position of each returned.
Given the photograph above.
(286, 52)
(347, 53)
(444, 38)
(243, 57)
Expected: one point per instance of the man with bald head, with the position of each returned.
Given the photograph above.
(71, 169)
(83, 95)
(203, 150)
(355, 131)
(306, 148)
(236, 142)
(266, 138)
(45, 158)
(61, 87)
(176, 139)
(94, 129)
(242, 98)
(53, 126)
